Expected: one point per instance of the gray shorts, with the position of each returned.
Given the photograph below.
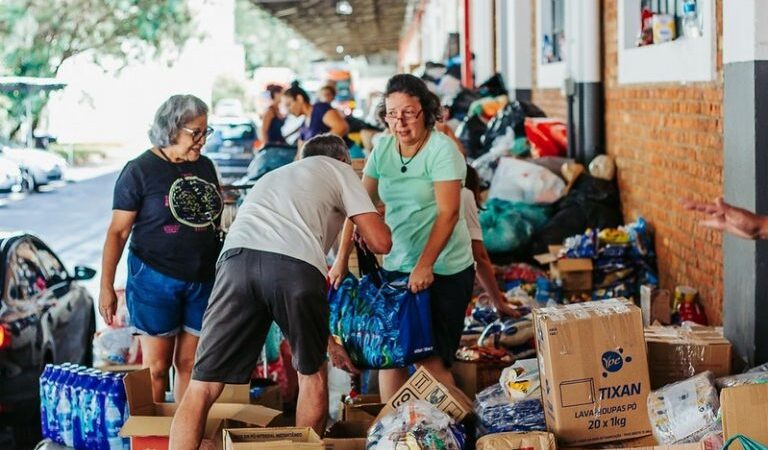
(252, 289)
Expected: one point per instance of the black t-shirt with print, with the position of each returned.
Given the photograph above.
(158, 238)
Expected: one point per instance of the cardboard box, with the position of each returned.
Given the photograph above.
(347, 436)
(149, 424)
(574, 274)
(473, 377)
(745, 411)
(626, 445)
(656, 305)
(594, 371)
(271, 397)
(272, 439)
(535, 440)
(365, 409)
(423, 386)
(678, 353)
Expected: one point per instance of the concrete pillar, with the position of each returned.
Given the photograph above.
(513, 37)
(481, 20)
(584, 86)
(745, 157)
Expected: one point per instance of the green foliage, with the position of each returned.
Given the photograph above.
(37, 36)
(258, 32)
(226, 87)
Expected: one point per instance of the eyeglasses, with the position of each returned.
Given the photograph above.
(197, 134)
(407, 115)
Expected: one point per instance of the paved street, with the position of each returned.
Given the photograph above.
(71, 218)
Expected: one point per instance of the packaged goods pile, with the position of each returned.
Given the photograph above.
(82, 408)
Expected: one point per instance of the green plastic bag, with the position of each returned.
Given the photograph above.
(508, 226)
(272, 343)
(747, 443)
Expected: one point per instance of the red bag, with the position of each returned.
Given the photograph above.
(548, 137)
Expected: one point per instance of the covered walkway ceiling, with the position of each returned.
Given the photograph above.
(373, 27)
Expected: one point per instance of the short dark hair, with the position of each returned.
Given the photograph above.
(273, 90)
(330, 89)
(415, 87)
(295, 92)
(326, 144)
(472, 181)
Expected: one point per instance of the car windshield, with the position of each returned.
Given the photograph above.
(235, 131)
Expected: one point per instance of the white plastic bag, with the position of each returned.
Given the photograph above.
(521, 380)
(415, 424)
(516, 180)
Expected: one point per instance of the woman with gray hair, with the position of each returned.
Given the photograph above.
(167, 200)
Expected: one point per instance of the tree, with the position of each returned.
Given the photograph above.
(257, 30)
(38, 36)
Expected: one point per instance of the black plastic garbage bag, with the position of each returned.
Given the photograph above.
(470, 133)
(460, 105)
(591, 203)
(355, 125)
(493, 86)
(511, 116)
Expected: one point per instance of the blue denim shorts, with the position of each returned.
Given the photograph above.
(160, 305)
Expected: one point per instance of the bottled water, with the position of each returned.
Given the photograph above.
(54, 388)
(102, 392)
(76, 396)
(691, 27)
(64, 408)
(44, 383)
(83, 408)
(114, 407)
(93, 423)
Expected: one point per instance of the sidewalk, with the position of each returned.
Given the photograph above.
(82, 173)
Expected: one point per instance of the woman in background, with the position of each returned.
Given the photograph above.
(320, 117)
(272, 123)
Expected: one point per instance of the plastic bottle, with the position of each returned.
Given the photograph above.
(44, 382)
(691, 27)
(47, 402)
(76, 395)
(93, 428)
(91, 421)
(54, 389)
(102, 392)
(126, 409)
(114, 410)
(64, 408)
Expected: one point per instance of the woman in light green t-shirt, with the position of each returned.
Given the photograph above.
(417, 173)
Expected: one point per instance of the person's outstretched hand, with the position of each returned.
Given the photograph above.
(340, 358)
(728, 218)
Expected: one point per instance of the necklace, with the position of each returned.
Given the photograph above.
(175, 165)
(404, 167)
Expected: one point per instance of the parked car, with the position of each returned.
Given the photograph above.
(38, 167)
(230, 147)
(46, 316)
(10, 176)
(228, 107)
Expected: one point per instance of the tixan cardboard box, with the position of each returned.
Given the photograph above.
(594, 371)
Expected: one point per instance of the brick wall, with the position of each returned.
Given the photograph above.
(551, 101)
(667, 140)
